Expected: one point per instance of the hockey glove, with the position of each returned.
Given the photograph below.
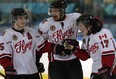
(70, 44)
(104, 73)
(40, 67)
(59, 50)
(10, 73)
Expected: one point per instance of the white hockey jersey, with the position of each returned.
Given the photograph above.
(21, 48)
(98, 45)
(56, 32)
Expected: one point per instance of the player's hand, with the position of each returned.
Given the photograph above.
(10, 71)
(40, 67)
(104, 73)
(70, 44)
(59, 50)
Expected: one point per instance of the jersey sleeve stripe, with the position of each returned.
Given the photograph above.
(41, 46)
(108, 52)
(5, 55)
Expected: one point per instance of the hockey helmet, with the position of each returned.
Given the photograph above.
(16, 12)
(85, 19)
(88, 20)
(97, 24)
(60, 4)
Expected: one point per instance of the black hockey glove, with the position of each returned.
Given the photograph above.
(70, 45)
(104, 73)
(40, 67)
(59, 50)
(10, 73)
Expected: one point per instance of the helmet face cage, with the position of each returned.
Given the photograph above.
(16, 12)
(60, 4)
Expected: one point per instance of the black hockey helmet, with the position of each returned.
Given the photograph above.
(88, 20)
(97, 24)
(60, 4)
(16, 12)
(85, 19)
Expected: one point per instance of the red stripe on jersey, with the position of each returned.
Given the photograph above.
(51, 57)
(48, 47)
(5, 62)
(41, 46)
(5, 55)
(108, 60)
(108, 52)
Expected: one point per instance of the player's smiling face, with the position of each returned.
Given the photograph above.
(21, 22)
(83, 28)
(55, 13)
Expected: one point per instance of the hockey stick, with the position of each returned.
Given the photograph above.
(2, 74)
(114, 65)
(92, 77)
(41, 77)
(27, 14)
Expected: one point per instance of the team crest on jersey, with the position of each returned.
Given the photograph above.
(14, 37)
(52, 28)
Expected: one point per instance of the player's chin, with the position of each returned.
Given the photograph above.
(55, 18)
(23, 24)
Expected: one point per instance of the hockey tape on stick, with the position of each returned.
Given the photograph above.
(2, 74)
(41, 77)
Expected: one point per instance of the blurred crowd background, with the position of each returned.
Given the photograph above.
(38, 10)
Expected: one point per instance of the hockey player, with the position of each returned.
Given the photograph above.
(18, 46)
(99, 43)
(55, 29)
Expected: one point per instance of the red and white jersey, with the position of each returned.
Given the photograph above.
(101, 46)
(21, 48)
(56, 32)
